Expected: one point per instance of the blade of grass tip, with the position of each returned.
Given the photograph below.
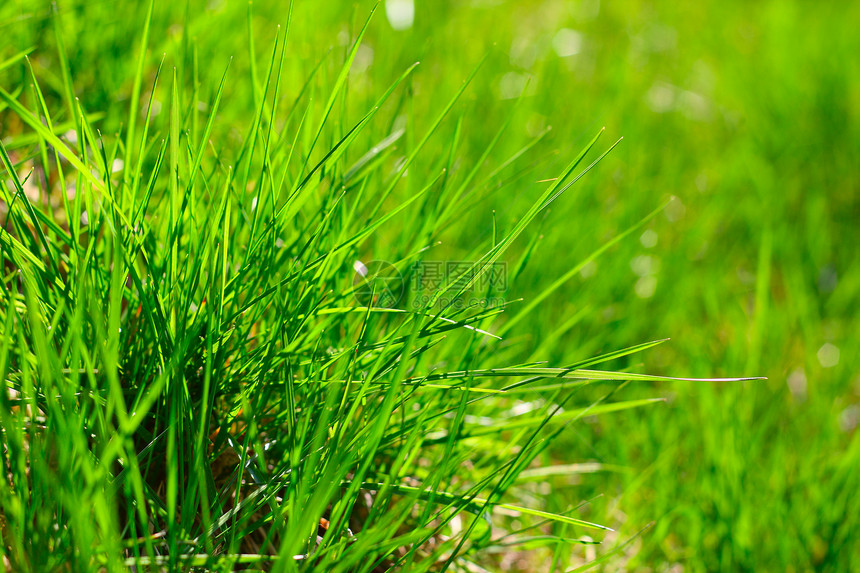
(268, 171)
(47, 116)
(108, 157)
(617, 549)
(23, 140)
(254, 130)
(195, 110)
(14, 247)
(207, 131)
(762, 297)
(212, 244)
(174, 222)
(513, 158)
(15, 58)
(526, 386)
(568, 374)
(68, 90)
(82, 198)
(138, 169)
(429, 133)
(453, 144)
(304, 89)
(291, 206)
(135, 96)
(338, 149)
(99, 163)
(374, 152)
(252, 55)
(529, 250)
(543, 472)
(568, 170)
(534, 526)
(480, 267)
(341, 80)
(27, 117)
(371, 228)
(460, 191)
(279, 185)
(566, 416)
(557, 517)
(629, 376)
(225, 242)
(143, 205)
(581, 174)
(28, 208)
(617, 354)
(527, 310)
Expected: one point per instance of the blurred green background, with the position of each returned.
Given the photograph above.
(747, 112)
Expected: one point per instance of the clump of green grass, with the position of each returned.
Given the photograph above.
(190, 380)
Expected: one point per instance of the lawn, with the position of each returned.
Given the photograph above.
(347, 286)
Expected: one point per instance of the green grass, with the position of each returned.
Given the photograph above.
(195, 378)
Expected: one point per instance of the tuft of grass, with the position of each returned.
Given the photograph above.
(191, 378)
(153, 127)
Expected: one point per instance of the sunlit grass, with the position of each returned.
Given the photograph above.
(193, 382)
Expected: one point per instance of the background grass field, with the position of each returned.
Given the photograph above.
(747, 113)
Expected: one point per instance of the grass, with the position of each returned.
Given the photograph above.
(196, 377)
